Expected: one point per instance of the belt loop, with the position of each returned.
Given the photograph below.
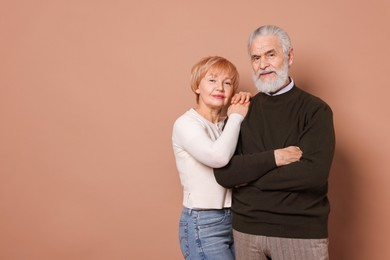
(189, 212)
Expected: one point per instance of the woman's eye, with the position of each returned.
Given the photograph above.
(228, 83)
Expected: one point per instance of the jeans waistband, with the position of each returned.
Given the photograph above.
(189, 211)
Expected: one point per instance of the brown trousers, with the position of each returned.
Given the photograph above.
(253, 247)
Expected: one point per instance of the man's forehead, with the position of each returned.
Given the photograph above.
(264, 44)
(263, 49)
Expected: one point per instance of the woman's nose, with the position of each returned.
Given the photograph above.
(220, 86)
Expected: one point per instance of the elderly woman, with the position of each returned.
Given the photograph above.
(202, 140)
(200, 145)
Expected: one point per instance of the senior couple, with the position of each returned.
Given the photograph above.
(254, 183)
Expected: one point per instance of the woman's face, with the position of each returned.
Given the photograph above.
(215, 90)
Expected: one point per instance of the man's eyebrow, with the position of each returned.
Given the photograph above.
(265, 53)
(270, 51)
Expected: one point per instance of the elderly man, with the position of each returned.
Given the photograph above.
(280, 212)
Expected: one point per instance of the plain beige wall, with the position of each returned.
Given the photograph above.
(89, 91)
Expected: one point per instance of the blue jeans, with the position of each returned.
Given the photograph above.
(206, 234)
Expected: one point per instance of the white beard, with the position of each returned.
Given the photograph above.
(271, 85)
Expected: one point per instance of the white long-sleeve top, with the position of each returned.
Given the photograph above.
(199, 146)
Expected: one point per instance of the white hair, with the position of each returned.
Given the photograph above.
(272, 30)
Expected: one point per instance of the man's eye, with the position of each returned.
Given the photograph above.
(270, 55)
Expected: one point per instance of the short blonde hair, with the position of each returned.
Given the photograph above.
(217, 64)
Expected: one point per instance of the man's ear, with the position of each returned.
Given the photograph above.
(290, 57)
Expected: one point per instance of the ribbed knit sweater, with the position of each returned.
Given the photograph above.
(199, 146)
(288, 201)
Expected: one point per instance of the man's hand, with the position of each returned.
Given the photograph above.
(287, 155)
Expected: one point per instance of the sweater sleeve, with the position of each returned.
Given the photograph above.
(317, 142)
(246, 168)
(192, 136)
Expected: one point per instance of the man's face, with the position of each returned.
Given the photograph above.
(270, 64)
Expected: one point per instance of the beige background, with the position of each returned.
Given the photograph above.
(89, 91)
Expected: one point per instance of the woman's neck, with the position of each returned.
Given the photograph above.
(213, 115)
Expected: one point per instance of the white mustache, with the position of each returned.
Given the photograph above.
(261, 72)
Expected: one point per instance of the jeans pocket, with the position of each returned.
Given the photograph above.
(183, 237)
(211, 218)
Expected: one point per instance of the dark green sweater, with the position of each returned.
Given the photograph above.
(289, 201)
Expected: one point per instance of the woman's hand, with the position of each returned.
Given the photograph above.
(241, 97)
(287, 155)
(238, 108)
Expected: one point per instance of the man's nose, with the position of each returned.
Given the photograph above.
(263, 64)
